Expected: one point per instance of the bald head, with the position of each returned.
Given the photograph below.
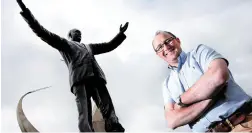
(167, 46)
(164, 33)
(74, 35)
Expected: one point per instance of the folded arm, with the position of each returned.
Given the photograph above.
(210, 84)
(213, 80)
(177, 116)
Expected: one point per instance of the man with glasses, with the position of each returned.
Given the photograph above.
(85, 75)
(200, 90)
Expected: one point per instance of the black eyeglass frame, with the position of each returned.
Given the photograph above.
(160, 47)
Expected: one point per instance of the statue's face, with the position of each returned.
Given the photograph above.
(75, 35)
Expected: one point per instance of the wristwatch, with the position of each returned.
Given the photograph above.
(182, 104)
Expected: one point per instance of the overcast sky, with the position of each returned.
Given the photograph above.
(133, 70)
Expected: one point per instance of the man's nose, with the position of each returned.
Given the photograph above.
(166, 47)
(165, 50)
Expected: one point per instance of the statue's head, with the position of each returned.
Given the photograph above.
(74, 35)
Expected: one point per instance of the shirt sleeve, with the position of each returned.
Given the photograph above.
(166, 94)
(204, 55)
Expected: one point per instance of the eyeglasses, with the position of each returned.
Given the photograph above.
(160, 47)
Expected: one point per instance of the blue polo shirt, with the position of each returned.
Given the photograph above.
(192, 66)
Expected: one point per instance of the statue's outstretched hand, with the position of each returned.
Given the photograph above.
(124, 28)
(21, 5)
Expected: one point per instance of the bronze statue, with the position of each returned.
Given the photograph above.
(85, 75)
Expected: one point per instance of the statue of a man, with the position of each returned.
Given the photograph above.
(86, 77)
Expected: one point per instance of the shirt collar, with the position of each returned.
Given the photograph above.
(181, 60)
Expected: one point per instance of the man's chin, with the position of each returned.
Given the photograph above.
(172, 57)
(171, 60)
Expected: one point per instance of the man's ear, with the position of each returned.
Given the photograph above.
(178, 40)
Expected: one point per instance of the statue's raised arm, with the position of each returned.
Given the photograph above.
(100, 48)
(50, 38)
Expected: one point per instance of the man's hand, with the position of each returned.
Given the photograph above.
(177, 116)
(21, 5)
(124, 28)
(177, 107)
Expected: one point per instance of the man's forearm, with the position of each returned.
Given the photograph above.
(185, 115)
(207, 86)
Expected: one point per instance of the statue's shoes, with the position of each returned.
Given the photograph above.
(114, 127)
